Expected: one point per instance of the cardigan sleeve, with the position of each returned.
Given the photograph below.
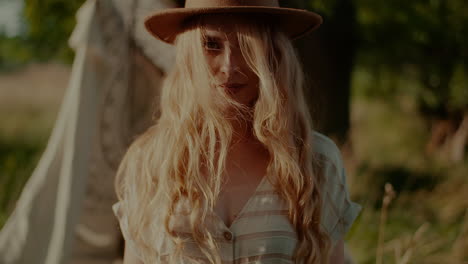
(338, 211)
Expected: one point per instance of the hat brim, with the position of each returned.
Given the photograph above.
(167, 24)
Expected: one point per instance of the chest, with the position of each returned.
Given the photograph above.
(249, 222)
(261, 231)
(242, 184)
(245, 171)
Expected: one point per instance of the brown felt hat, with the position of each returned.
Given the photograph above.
(168, 23)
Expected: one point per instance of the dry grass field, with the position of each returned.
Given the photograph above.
(29, 103)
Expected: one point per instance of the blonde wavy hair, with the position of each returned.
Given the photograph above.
(183, 154)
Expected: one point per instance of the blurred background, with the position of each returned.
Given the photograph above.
(393, 83)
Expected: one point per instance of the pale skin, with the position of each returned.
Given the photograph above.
(229, 66)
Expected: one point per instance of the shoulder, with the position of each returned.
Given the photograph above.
(339, 211)
(326, 148)
(328, 161)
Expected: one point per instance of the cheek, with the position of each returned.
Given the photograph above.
(253, 83)
(253, 78)
(213, 64)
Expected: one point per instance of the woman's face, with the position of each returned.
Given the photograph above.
(231, 72)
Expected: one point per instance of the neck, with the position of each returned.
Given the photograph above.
(244, 147)
(242, 132)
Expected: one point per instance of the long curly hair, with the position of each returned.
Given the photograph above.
(182, 155)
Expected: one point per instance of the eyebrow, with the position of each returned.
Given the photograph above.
(212, 34)
(218, 30)
(211, 37)
(216, 35)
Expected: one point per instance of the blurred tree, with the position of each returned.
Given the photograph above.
(13, 52)
(328, 58)
(427, 42)
(49, 25)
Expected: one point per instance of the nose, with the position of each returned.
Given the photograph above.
(230, 63)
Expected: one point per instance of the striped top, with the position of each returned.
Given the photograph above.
(262, 232)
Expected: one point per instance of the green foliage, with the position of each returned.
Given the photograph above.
(407, 31)
(50, 23)
(325, 8)
(421, 42)
(47, 27)
(14, 52)
(426, 41)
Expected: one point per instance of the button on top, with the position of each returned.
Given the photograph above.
(227, 235)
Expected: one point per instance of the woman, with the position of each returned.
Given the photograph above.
(232, 171)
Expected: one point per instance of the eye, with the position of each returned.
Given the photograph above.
(212, 45)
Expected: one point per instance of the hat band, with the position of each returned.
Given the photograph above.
(224, 3)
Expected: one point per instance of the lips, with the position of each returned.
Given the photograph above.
(232, 88)
(233, 85)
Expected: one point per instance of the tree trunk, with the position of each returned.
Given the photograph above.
(328, 57)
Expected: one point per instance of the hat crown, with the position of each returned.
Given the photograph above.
(227, 3)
